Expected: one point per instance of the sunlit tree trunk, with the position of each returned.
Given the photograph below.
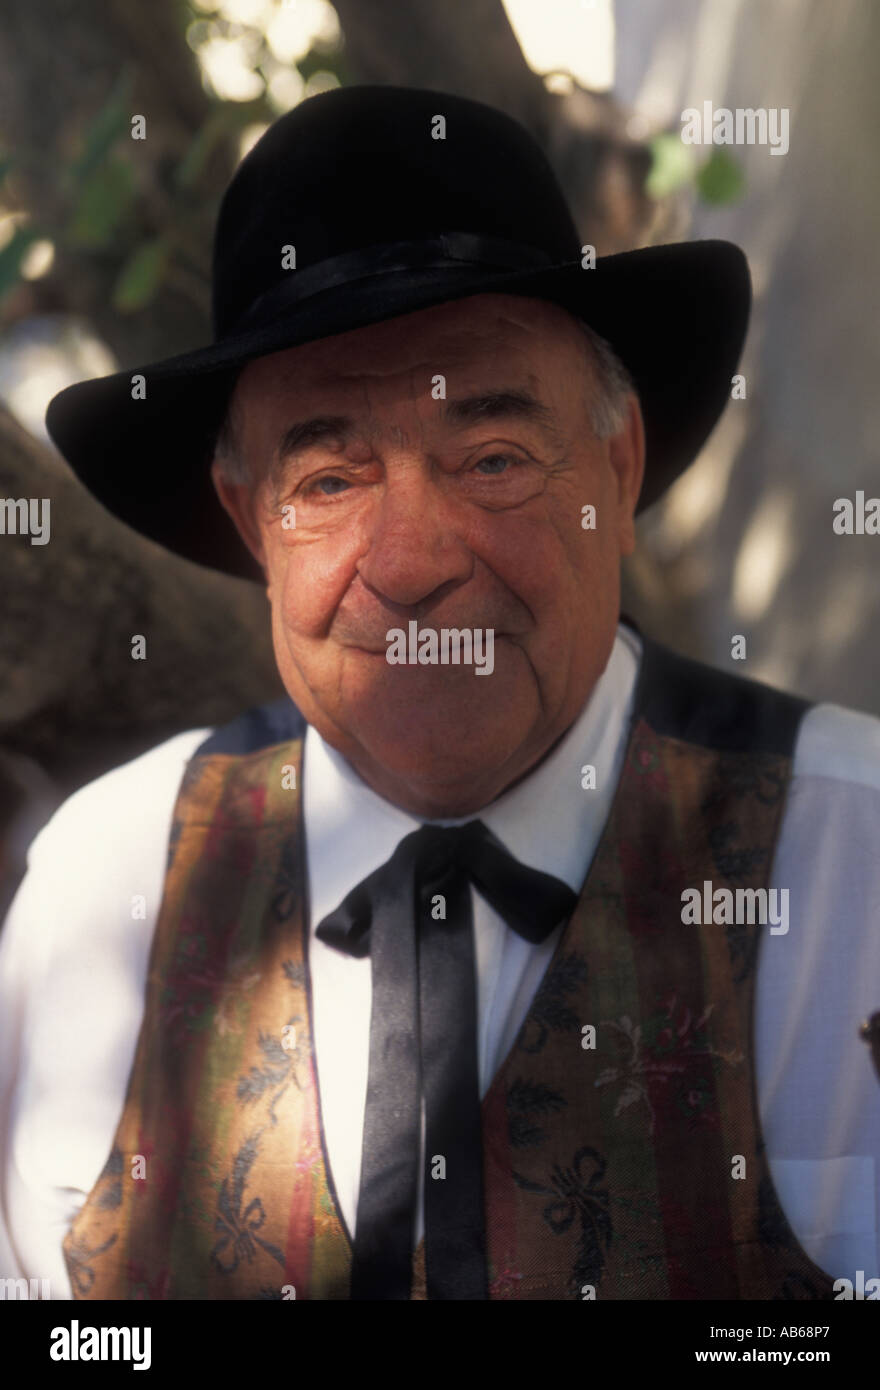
(745, 544)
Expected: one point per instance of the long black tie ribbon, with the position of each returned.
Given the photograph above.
(413, 917)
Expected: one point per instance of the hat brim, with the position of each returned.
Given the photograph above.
(676, 315)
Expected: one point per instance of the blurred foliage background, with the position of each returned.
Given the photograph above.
(105, 259)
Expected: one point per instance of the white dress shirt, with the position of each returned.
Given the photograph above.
(73, 967)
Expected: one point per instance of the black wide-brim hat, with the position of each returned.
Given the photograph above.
(395, 199)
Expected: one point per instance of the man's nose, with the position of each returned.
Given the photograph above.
(414, 545)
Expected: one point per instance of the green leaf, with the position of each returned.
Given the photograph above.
(721, 180)
(673, 165)
(190, 167)
(111, 122)
(141, 276)
(102, 202)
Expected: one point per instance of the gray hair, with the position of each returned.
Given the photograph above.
(229, 459)
(613, 385)
(608, 408)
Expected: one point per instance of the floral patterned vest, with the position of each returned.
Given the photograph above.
(631, 1169)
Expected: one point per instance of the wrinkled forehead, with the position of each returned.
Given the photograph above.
(479, 340)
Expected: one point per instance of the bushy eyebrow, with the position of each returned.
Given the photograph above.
(305, 432)
(509, 403)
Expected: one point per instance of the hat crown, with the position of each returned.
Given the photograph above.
(364, 166)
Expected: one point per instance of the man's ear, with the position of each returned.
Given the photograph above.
(626, 452)
(237, 500)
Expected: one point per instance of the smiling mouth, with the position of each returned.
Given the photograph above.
(383, 651)
(380, 651)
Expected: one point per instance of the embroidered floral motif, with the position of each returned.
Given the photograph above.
(550, 1011)
(580, 1197)
(229, 1001)
(733, 859)
(203, 989)
(236, 1227)
(737, 778)
(109, 1185)
(666, 1046)
(296, 972)
(277, 1072)
(109, 1198)
(504, 1285)
(525, 1101)
(78, 1257)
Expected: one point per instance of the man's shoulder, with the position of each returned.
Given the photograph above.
(103, 844)
(840, 744)
(697, 703)
(707, 705)
(139, 793)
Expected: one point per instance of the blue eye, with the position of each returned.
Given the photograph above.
(494, 458)
(332, 490)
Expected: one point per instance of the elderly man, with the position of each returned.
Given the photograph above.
(438, 978)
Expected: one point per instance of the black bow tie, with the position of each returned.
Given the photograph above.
(423, 1038)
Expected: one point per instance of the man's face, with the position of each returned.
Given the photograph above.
(458, 512)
